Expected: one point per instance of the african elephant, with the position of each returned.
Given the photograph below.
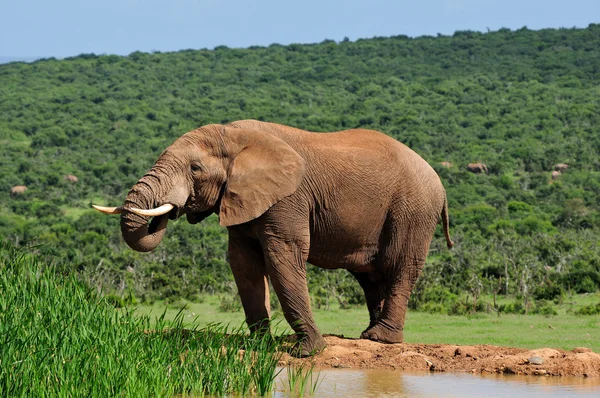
(560, 167)
(18, 190)
(71, 178)
(477, 168)
(355, 199)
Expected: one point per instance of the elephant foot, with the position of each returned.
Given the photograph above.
(307, 346)
(383, 334)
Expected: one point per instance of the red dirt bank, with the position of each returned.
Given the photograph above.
(366, 354)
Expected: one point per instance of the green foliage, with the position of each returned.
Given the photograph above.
(434, 299)
(550, 291)
(542, 307)
(230, 303)
(300, 379)
(519, 102)
(592, 309)
(60, 338)
(465, 308)
(516, 307)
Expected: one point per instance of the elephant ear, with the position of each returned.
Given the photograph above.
(265, 171)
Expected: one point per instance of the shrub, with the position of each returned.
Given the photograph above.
(543, 307)
(582, 281)
(592, 309)
(548, 292)
(464, 307)
(515, 307)
(433, 308)
(586, 285)
(432, 299)
(518, 207)
(231, 303)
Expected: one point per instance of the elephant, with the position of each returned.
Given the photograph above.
(18, 190)
(477, 168)
(355, 199)
(555, 174)
(560, 167)
(71, 178)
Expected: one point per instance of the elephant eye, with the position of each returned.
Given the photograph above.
(196, 167)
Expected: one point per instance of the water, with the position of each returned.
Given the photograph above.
(388, 383)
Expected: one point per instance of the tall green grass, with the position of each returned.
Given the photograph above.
(59, 338)
(302, 380)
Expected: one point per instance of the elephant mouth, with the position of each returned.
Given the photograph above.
(155, 224)
(196, 217)
(175, 213)
(156, 221)
(192, 218)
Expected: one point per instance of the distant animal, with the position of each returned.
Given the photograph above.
(71, 178)
(446, 164)
(355, 199)
(18, 190)
(560, 167)
(477, 168)
(555, 174)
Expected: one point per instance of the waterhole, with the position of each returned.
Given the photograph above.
(388, 383)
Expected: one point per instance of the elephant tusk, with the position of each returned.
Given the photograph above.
(108, 210)
(159, 211)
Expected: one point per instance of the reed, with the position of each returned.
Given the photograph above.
(303, 380)
(59, 338)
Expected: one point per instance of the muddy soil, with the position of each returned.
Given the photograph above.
(366, 354)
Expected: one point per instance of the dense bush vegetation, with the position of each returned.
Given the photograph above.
(518, 101)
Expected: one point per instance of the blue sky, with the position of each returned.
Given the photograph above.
(62, 28)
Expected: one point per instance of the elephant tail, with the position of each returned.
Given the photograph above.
(446, 224)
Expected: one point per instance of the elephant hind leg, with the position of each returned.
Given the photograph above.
(389, 327)
(402, 263)
(374, 294)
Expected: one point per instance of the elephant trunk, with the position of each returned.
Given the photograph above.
(137, 232)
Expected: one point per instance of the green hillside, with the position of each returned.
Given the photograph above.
(518, 101)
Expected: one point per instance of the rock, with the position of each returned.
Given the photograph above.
(430, 364)
(466, 351)
(341, 366)
(535, 360)
(540, 372)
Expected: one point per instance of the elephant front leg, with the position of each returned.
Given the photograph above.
(248, 266)
(374, 294)
(286, 267)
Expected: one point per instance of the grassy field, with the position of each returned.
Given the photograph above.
(564, 331)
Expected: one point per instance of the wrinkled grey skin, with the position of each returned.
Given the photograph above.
(356, 199)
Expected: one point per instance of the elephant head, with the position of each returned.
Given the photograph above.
(235, 172)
